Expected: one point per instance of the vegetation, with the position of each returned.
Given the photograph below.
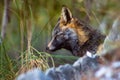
(26, 29)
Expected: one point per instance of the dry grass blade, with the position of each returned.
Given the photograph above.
(40, 62)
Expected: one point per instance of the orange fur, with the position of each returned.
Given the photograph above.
(82, 35)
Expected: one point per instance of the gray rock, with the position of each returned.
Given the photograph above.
(35, 74)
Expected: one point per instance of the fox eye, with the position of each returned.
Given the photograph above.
(59, 37)
(63, 36)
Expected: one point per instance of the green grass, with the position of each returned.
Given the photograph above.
(29, 30)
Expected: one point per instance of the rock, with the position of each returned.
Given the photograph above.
(64, 72)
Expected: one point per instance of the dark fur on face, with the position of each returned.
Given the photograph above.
(74, 35)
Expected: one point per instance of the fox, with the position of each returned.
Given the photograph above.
(74, 35)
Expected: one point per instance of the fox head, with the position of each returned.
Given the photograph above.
(69, 33)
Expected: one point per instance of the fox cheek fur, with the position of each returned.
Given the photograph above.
(74, 35)
(62, 39)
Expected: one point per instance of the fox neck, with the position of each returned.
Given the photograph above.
(73, 46)
(91, 45)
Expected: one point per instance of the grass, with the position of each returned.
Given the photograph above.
(18, 41)
(28, 31)
(6, 65)
(11, 68)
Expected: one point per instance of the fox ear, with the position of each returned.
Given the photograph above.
(66, 15)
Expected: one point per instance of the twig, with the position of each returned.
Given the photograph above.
(5, 18)
(88, 6)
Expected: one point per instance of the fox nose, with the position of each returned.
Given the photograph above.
(50, 48)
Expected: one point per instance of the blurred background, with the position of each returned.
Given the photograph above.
(26, 27)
